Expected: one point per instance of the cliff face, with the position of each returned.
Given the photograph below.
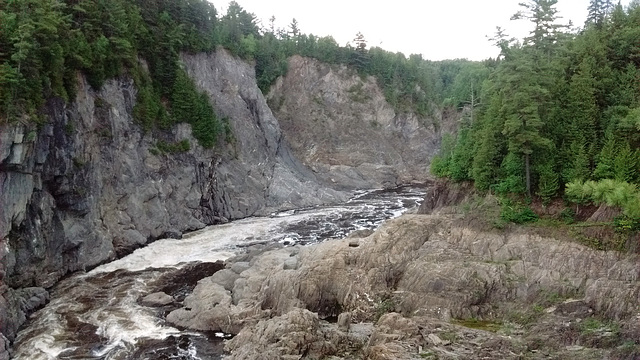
(87, 186)
(342, 127)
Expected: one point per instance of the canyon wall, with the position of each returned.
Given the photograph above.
(340, 125)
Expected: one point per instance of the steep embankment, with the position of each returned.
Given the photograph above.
(88, 186)
(341, 126)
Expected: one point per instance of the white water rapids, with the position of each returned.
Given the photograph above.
(96, 315)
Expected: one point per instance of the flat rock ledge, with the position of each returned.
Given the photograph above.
(423, 286)
(157, 300)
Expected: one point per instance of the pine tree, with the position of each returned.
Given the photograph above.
(598, 11)
(578, 167)
(484, 167)
(606, 159)
(511, 175)
(625, 165)
(523, 123)
(460, 164)
(294, 29)
(582, 107)
(548, 183)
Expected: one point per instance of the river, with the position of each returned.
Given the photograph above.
(97, 315)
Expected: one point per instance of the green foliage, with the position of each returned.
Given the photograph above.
(511, 175)
(626, 164)
(173, 148)
(560, 107)
(626, 224)
(548, 183)
(385, 306)
(440, 163)
(46, 42)
(568, 216)
(610, 192)
(606, 160)
(578, 166)
(461, 159)
(515, 212)
(592, 325)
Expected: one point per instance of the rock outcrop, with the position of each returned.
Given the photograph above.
(341, 126)
(87, 186)
(433, 269)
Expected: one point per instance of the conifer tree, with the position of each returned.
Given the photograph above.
(606, 159)
(548, 182)
(598, 10)
(625, 165)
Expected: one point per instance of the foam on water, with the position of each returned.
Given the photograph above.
(97, 316)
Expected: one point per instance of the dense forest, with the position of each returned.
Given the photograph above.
(558, 114)
(44, 44)
(562, 106)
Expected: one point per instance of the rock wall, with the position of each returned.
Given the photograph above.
(86, 186)
(341, 126)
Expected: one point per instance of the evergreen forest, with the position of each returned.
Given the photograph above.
(556, 114)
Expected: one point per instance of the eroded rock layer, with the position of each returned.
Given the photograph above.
(429, 270)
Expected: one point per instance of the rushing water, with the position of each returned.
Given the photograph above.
(96, 315)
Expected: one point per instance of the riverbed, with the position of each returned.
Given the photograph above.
(97, 315)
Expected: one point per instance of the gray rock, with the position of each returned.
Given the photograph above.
(434, 339)
(239, 267)
(344, 321)
(156, 300)
(226, 278)
(358, 234)
(4, 348)
(293, 335)
(354, 243)
(574, 348)
(369, 145)
(291, 263)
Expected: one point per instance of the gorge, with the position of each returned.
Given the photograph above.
(87, 188)
(178, 183)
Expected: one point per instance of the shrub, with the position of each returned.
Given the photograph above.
(517, 213)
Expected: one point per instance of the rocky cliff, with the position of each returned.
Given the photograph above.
(340, 125)
(87, 186)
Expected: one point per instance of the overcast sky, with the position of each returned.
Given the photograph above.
(437, 29)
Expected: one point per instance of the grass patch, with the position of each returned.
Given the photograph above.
(450, 336)
(383, 307)
(591, 326)
(428, 355)
(526, 317)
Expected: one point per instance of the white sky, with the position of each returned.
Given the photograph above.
(437, 29)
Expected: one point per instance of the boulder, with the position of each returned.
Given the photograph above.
(156, 300)
(344, 321)
(291, 263)
(226, 278)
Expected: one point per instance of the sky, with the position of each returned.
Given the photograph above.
(437, 29)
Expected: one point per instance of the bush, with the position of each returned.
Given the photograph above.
(568, 215)
(517, 213)
(625, 224)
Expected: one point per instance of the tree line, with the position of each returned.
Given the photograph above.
(44, 44)
(560, 107)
